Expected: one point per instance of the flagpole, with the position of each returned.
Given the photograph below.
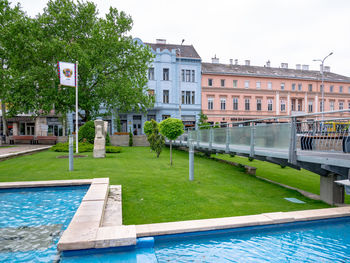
(76, 109)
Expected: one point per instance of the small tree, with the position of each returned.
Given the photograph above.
(131, 141)
(118, 124)
(147, 128)
(156, 139)
(171, 128)
(87, 133)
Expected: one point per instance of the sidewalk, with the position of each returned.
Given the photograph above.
(17, 150)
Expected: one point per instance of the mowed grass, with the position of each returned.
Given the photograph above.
(153, 191)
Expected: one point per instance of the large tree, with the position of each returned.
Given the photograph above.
(112, 66)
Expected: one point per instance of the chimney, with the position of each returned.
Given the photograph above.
(231, 61)
(161, 41)
(268, 64)
(298, 66)
(284, 65)
(247, 62)
(215, 60)
(305, 67)
(327, 69)
(236, 61)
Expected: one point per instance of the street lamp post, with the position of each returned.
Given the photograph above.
(322, 80)
(180, 97)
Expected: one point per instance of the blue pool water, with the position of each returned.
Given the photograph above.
(32, 220)
(316, 241)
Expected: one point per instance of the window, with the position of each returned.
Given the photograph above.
(300, 105)
(283, 105)
(246, 84)
(310, 106)
(300, 87)
(293, 86)
(348, 89)
(331, 105)
(341, 89)
(165, 117)
(151, 117)
(331, 88)
(222, 81)
(165, 96)
(247, 104)
(321, 87)
(210, 103)
(151, 73)
(188, 75)
(182, 97)
(223, 104)
(269, 85)
(183, 75)
(210, 82)
(235, 103)
(26, 128)
(293, 104)
(235, 85)
(258, 85)
(349, 105)
(193, 76)
(269, 104)
(341, 105)
(188, 97)
(165, 74)
(258, 104)
(282, 86)
(310, 87)
(193, 97)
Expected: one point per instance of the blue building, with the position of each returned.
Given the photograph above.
(174, 78)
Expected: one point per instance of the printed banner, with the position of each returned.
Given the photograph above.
(66, 73)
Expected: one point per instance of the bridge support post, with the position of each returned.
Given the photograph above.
(228, 139)
(330, 192)
(252, 140)
(292, 156)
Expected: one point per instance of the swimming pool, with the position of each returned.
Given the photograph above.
(32, 220)
(312, 241)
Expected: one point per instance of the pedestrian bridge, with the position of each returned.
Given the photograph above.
(321, 146)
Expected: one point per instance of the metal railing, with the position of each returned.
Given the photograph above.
(288, 134)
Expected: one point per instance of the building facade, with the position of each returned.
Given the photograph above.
(232, 92)
(174, 79)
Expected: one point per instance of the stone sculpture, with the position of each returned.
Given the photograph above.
(100, 139)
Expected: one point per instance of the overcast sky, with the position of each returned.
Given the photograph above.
(291, 31)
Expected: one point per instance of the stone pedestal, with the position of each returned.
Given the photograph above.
(330, 192)
(100, 139)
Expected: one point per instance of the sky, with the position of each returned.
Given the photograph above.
(282, 31)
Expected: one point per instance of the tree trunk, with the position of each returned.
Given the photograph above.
(171, 153)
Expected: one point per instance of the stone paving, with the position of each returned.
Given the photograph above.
(21, 149)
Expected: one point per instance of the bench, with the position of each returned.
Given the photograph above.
(51, 139)
(16, 138)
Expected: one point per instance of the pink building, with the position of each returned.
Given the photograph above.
(232, 92)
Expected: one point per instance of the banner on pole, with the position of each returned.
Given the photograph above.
(67, 74)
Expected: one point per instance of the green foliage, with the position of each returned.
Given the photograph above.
(87, 132)
(155, 139)
(119, 125)
(112, 66)
(282, 166)
(217, 125)
(83, 147)
(171, 128)
(202, 123)
(64, 147)
(148, 128)
(131, 141)
(250, 159)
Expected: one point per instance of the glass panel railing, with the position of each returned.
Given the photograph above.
(204, 135)
(240, 135)
(276, 135)
(219, 136)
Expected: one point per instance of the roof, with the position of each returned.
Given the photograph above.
(186, 50)
(228, 69)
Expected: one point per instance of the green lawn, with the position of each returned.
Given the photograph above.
(155, 192)
(301, 179)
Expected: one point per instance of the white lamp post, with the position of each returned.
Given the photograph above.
(322, 77)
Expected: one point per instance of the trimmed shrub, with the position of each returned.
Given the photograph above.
(83, 147)
(131, 141)
(113, 149)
